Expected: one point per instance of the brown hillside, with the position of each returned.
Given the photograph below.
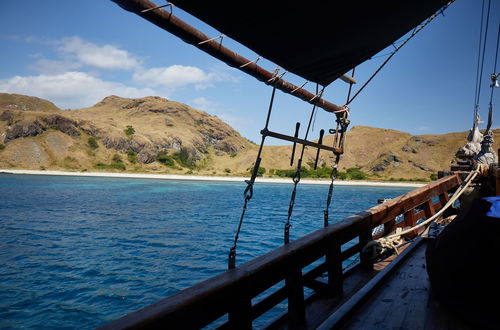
(23, 102)
(152, 134)
(129, 133)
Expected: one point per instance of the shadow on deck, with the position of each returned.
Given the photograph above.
(398, 297)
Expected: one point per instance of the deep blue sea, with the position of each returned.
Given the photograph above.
(78, 252)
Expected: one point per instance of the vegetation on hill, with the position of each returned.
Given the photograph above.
(152, 134)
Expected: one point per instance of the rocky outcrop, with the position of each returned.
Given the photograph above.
(386, 161)
(7, 116)
(147, 155)
(409, 149)
(24, 129)
(89, 128)
(421, 167)
(226, 147)
(62, 124)
(420, 140)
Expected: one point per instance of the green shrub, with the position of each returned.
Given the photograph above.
(227, 170)
(260, 171)
(355, 173)
(112, 166)
(284, 173)
(129, 131)
(132, 156)
(320, 172)
(92, 142)
(341, 175)
(434, 177)
(323, 172)
(2, 146)
(165, 159)
(184, 158)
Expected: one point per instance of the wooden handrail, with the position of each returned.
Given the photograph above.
(207, 301)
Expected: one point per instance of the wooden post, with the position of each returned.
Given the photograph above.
(334, 267)
(444, 198)
(296, 306)
(364, 238)
(410, 221)
(410, 218)
(389, 226)
(429, 209)
(240, 313)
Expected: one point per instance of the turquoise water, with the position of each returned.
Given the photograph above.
(77, 252)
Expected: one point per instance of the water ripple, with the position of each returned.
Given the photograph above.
(77, 252)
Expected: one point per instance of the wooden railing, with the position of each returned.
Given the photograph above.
(231, 292)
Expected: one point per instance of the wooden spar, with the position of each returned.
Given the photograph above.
(169, 22)
(295, 139)
(207, 301)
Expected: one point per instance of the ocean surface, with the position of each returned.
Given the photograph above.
(78, 252)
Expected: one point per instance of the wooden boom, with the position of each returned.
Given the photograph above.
(231, 292)
(169, 22)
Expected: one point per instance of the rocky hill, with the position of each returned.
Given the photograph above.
(152, 134)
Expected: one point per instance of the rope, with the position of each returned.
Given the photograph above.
(333, 177)
(350, 86)
(296, 177)
(415, 31)
(494, 84)
(248, 193)
(395, 241)
(480, 73)
(476, 101)
(468, 180)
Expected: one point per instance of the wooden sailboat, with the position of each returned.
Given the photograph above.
(371, 292)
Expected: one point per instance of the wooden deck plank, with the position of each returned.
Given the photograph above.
(405, 301)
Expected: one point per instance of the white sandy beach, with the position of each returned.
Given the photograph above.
(210, 178)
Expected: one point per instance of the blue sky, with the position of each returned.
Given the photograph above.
(74, 53)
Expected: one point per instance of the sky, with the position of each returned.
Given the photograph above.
(75, 53)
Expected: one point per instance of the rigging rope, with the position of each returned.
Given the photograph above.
(342, 123)
(478, 75)
(481, 56)
(415, 31)
(248, 193)
(350, 86)
(494, 83)
(296, 176)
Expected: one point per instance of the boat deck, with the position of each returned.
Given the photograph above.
(399, 297)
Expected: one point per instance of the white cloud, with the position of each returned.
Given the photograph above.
(70, 89)
(212, 107)
(175, 76)
(424, 128)
(103, 57)
(203, 103)
(75, 73)
(52, 67)
(234, 120)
